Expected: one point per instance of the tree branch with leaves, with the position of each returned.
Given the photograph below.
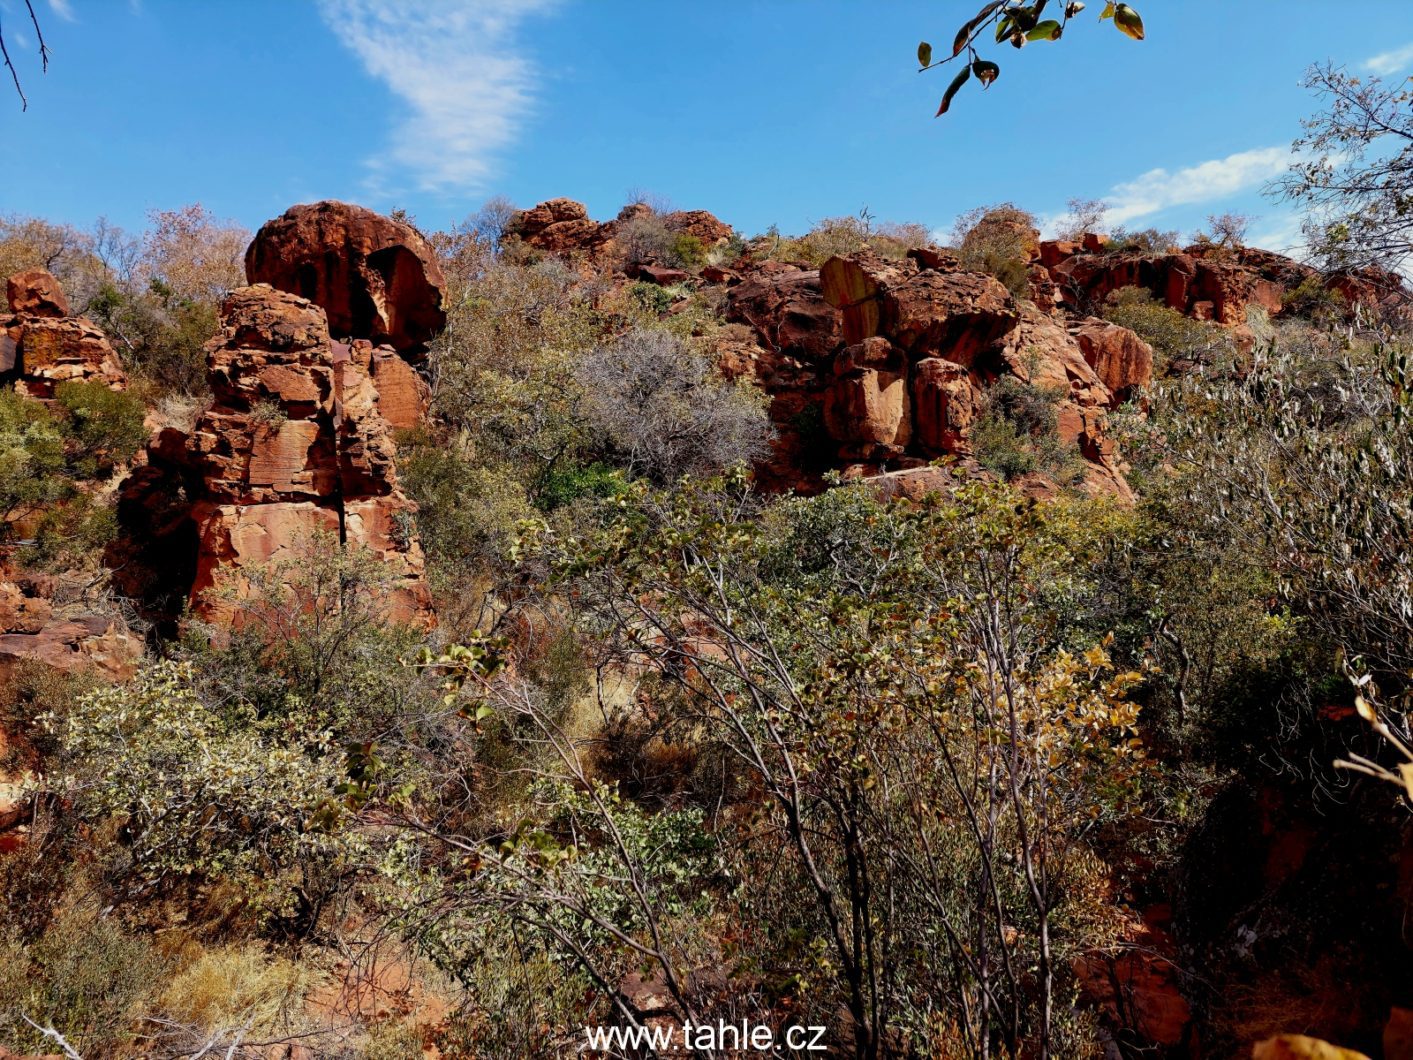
(1020, 24)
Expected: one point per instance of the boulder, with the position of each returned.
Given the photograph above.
(561, 226)
(661, 275)
(953, 315)
(1301, 1047)
(36, 293)
(41, 345)
(945, 403)
(375, 278)
(699, 224)
(858, 286)
(1122, 361)
(787, 309)
(867, 403)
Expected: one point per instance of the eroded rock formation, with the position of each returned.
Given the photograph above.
(43, 345)
(376, 278)
(563, 227)
(293, 447)
(898, 356)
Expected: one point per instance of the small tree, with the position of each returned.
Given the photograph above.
(1084, 216)
(1355, 171)
(1226, 230)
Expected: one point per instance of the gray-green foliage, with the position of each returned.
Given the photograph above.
(205, 792)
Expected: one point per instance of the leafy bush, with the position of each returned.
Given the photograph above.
(45, 455)
(107, 427)
(208, 793)
(563, 485)
(1015, 434)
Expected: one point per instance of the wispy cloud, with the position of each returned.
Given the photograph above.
(1219, 178)
(1390, 62)
(455, 66)
(63, 9)
(1282, 232)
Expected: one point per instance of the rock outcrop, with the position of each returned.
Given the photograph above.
(293, 447)
(1204, 281)
(36, 627)
(42, 345)
(563, 227)
(375, 278)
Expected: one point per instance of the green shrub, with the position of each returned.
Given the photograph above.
(1016, 434)
(652, 297)
(565, 484)
(208, 793)
(106, 427)
(1176, 339)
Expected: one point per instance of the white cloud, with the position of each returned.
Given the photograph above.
(1390, 62)
(455, 65)
(1220, 178)
(1281, 232)
(63, 9)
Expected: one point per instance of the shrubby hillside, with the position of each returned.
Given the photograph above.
(440, 642)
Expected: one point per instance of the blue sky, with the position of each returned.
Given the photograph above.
(763, 111)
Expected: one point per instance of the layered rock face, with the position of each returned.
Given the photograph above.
(1204, 281)
(34, 627)
(293, 447)
(898, 356)
(43, 345)
(376, 278)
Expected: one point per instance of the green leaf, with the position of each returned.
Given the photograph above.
(957, 83)
(1126, 18)
(986, 71)
(1047, 30)
(1004, 29)
(924, 54)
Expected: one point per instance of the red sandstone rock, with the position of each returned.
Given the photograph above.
(561, 226)
(403, 395)
(951, 315)
(932, 257)
(75, 643)
(699, 224)
(36, 293)
(1123, 361)
(867, 403)
(374, 277)
(945, 404)
(1301, 1047)
(661, 275)
(858, 287)
(41, 347)
(295, 446)
(788, 312)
